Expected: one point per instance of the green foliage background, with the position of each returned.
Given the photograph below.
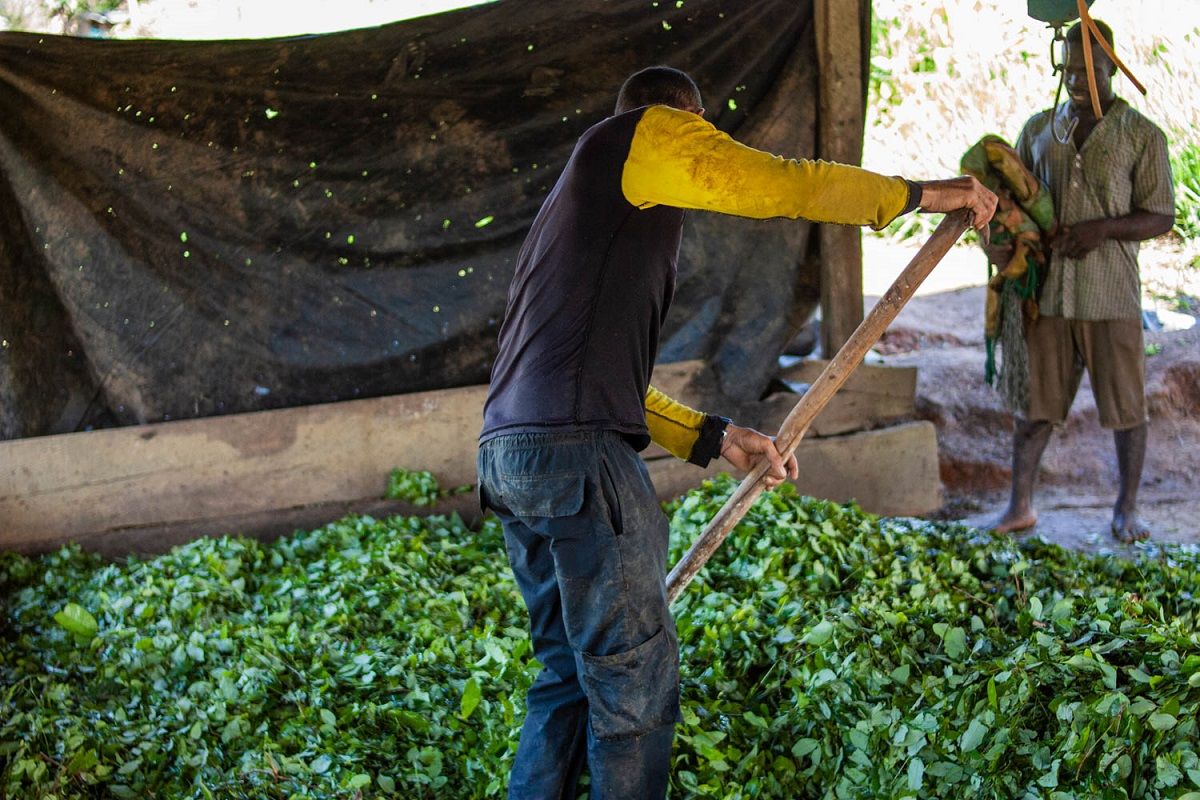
(826, 654)
(40, 14)
(945, 72)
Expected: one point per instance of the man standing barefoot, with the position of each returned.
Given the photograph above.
(1111, 184)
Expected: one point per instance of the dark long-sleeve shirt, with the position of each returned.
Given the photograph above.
(596, 274)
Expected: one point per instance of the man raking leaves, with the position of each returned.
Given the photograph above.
(570, 406)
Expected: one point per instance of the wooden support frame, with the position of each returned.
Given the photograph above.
(841, 58)
(145, 488)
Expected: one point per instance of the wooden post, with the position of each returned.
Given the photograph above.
(840, 58)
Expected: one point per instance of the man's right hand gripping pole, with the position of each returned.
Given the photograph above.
(952, 194)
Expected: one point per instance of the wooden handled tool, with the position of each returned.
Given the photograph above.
(819, 394)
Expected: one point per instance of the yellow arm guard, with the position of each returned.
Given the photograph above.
(679, 159)
(683, 432)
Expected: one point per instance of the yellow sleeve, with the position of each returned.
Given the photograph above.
(679, 159)
(673, 426)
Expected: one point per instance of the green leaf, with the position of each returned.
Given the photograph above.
(1062, 609)
(328, 717)
(756, 720)
(1162, 722)
(1049, 779)
(1109, 672)
(819, 634)
(418, 488)
(321, 764)
(84, 760)
(956, 642)
(471, 696)
(1166, 773)
(413, 720)
(358, 781)
(804, 746)
(77, 620)
(973, 736)
(1141, 707)
(1080, 661)
(916, 774)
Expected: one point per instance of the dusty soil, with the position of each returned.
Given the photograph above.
(940, 331)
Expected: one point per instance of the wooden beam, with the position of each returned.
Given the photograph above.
(872, 397)
(220, 471)
(877, 379)
(146, 487)
(839, 32)
(888, 471)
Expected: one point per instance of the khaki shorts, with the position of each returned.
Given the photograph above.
(1115, 358)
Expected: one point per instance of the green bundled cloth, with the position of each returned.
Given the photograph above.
(1024, 217)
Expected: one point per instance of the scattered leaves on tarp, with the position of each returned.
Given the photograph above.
(826, 653)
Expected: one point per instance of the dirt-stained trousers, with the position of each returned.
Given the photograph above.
(587, 542)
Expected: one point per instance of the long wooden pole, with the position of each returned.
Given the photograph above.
(839, 368)
(1090, 24)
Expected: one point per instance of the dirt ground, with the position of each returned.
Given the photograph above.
(940, 331)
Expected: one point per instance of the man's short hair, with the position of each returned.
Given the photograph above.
(1075, 36)
(658, 85)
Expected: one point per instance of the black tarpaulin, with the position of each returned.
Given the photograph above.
(198, 228)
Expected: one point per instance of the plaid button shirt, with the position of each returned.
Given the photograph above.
(1122, 167)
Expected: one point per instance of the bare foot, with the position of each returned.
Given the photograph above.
(1127, 528)
(1013, 520)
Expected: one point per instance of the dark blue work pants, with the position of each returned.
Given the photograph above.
(587, 542)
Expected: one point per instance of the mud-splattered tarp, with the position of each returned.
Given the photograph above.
(198, 228)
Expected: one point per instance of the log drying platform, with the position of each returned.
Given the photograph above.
(145, 488)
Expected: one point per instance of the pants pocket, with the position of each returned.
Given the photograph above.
(633, 692)
(611, 492)
(552, 496)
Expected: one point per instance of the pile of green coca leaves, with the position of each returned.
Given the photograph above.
(826, 653)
